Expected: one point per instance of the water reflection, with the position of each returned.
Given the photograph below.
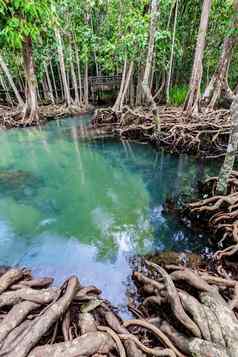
(88, 206)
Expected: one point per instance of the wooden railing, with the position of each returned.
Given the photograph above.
(98, 81)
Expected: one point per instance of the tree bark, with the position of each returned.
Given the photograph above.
(139, 87)
(213, 90)
(54, 81)
(116, 106)
(6, 91)
(127, 82)
(11, 81)
(32, 110)
(61, 82)
(94, 51)
(219, 82)
(172, 54)
(79, 78)
(228, 164)
(149, 61)
(45, 90)
(193, 96)
(51, 94)
(132, 93)
(160, 90)
(43, 322)
(62, 67)
(74, 79)
(236, 89)
(86, 99)
(21, 82)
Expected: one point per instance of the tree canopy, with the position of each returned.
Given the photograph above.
(97, 36)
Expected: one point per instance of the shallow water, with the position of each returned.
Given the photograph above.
(74, 207)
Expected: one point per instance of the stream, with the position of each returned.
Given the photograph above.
(70, 206)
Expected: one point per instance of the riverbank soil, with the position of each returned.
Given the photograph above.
(183, 312)
(204, 134)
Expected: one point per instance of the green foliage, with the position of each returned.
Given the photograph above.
(107, 32)
(22, 18)
(178, 95)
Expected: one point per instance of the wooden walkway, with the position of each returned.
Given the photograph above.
(104, 82)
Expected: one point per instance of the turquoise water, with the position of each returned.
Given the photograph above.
(74, 207)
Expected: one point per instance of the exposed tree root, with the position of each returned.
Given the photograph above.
(206, 133)
(221, 213)
(14, 118)
(86, 345)
(210, 309)
(192, 313)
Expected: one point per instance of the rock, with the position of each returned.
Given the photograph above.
(190, 260)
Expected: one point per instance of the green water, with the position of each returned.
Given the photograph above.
(74, 207)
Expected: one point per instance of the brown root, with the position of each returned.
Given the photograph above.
(151, 351)
(221, 213)
(162, 337)
(114, 336)
(86, 345)
(9, 278)
(175, 302)
(51, 322)
(203, 133)
(42, 323)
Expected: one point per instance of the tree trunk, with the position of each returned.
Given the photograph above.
(74, 79)
(139, 87)
(116, 106)
(45, 90)
(132, 93)
(11, 81)
(173, 3)
(61, 82)
(86, 100)
(79, 79)
(51, 94)
(7, 94)
(149, 60)
(228, 164)
(38, 93)
(54, 82)
(193, 96)
(236, 89)
(227, 93)
(152, 74)
(168, 83)
(160, 90)
(79, 76)
(126, 86)
(21, 83)
(218, 80)
(31, 110)
(62, 67)
(94, 51)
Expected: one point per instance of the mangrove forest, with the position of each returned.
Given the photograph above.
(118, 178)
